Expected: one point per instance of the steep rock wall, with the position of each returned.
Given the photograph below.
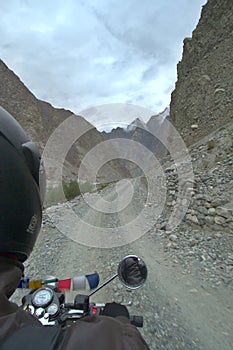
(203, 97)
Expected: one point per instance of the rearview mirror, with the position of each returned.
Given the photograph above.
(132, 271)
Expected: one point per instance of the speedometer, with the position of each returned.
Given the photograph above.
(42, 297)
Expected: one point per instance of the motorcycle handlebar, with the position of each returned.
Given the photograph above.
(73, 313)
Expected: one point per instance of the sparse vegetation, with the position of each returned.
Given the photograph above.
(54, 195)
(101, 186)
(61, 193)
(69, 190)
(211, 144)
(205, 164)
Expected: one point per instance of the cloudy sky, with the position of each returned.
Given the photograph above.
(79, 54)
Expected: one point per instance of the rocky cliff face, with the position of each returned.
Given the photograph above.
(22, 104)
(40, 119)
(203, 98)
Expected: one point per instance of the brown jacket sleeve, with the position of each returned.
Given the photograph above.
(104, 333)
(11, 316)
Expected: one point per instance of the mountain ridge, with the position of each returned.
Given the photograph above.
(40, 119)
(145, 134)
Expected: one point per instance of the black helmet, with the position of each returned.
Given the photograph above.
(22, 188)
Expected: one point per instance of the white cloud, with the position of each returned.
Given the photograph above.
(77, 54)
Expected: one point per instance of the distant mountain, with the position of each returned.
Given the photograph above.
(156, 121)
(40, 119)
(144, 133)
(137, 123)
(146, 136)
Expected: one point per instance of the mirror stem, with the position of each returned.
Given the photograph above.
(104, 284)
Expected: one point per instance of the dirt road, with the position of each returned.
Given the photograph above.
(181, 310)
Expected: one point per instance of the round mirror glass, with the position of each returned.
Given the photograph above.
(132, 271)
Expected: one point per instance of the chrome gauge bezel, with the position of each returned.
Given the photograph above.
(52, 309)
(46, 302)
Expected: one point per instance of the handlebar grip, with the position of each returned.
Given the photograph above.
(69, 305)
(136, 320)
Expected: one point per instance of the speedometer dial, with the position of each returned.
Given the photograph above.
(42, 297)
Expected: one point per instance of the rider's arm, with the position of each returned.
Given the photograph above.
(104, 333)
(11, 316)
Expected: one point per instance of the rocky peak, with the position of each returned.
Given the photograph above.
(156, 122)
(137, 123)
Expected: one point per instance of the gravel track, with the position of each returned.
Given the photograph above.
(180, 309)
